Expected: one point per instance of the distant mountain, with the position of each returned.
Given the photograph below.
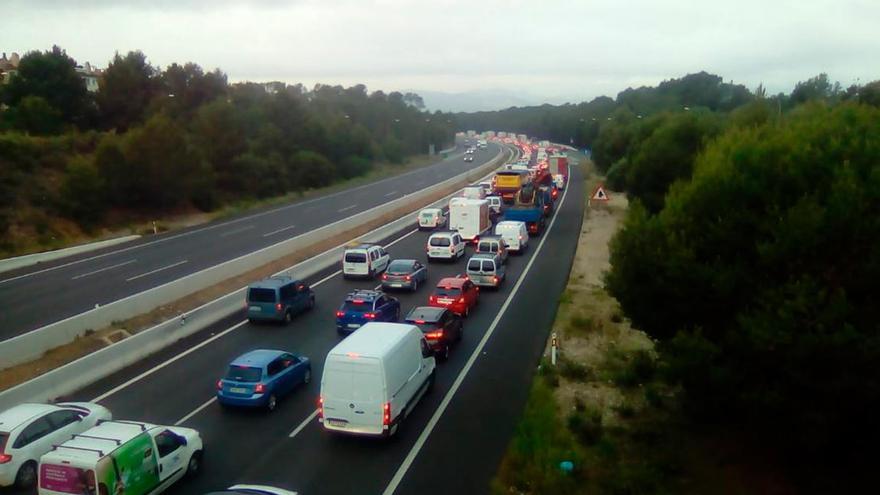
(476, 101)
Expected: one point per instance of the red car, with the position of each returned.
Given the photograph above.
(458, 294)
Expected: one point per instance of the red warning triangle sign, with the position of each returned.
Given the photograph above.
(599, 194)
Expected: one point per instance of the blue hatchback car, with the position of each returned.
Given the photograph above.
(259, 378)
(363, 306)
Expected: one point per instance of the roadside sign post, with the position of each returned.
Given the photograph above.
(553, 345)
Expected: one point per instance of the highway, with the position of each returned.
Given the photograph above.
(41, 294)
(452, 442)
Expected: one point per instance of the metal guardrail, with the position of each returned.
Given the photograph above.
(108, 360)
(32, 259)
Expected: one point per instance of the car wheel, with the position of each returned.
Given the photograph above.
(194, 466)
(272, 403)
(415, 285)
(460, 334)
(288, 317)
(397, 315)
(311, 303)
(308, 377)
(27, 475)
(467, 311)
(444, 356)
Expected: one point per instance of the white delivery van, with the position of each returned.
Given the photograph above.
(364, 260)
(473, 192)
(470, 217)
(514, 233)
(374, 378)
(431, 218)
(121, 458)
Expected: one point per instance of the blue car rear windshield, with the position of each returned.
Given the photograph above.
(261, 295)
(363, 307)
(244, 374)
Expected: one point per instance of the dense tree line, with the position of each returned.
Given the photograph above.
(155, 139)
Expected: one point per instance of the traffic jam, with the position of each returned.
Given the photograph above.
(398, 320)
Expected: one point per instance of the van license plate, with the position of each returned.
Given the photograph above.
(337, 423)
(238, 390)
(256, 308)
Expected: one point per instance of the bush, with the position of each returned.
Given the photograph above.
(573, 370)
(83, 194)
(587, 426)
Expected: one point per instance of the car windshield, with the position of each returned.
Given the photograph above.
(427, 215)
(400, 267)
(244, 373)
(261, 295)
(358, 307)
(439, 241)
(447, 292)
(355, 257)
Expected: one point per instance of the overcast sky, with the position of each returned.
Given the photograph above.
(546, 50)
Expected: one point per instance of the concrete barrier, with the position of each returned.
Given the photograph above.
(104, 362)
(32, 259)
(33, 344)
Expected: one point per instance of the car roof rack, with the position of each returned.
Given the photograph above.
(93, 437)
(142, 426)
(97, 451)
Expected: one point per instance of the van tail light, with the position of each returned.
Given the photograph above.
(259, 388)
(340, 314)
(520, 238)
(370, 316)
(219, 384)
(451, 249)
(278, 307)
(320, 407)
(408, 278)
(495, 279)
(4, 458)
(384, 276)
(386, 414)
(438, 334)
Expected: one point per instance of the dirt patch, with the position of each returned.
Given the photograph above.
(96, 340)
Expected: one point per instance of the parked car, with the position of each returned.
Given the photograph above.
(493, 245)
(404, 274)
(445, 245)
(456, 293)
(514, 233)
(121, 457)
(442, 328)
(278, 299)
(432, 218)
(486, 270)
(27, 431)
(363, 306)
(364, 260)
(260, 378)
(373, 379)
(252, 490)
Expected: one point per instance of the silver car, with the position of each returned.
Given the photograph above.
(486, 270)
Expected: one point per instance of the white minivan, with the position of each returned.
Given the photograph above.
(515, 234)
(374, 378)
(364, 260)
(445, 246)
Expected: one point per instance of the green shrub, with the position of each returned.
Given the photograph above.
(573, 370)
(587, 425)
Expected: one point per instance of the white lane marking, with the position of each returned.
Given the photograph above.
(196, 411)
(99, 270)
(282, 229)
(209, 227)
(237, 231)
(328, 277)
(392, 193)
(156, 270)
(378, 287)
(346, 208)
(166, 363)
(303, 424)
(411, 456)
(395, 241)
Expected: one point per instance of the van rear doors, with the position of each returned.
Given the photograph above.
(352, 394)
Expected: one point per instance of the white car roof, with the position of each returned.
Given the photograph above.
(510, 223)
(16, 416)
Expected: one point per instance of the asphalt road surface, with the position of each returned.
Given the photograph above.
(455, 437)
(35, 296)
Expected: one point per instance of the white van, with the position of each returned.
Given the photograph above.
(514, 233)
(121, 457)
(374, 378)
(364, 260)
(431, 218)
(445, 245)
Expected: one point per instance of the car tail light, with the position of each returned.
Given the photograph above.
(461, 299)
(384, 276)
(278, 307)
(420, 322)
(259, 388)
(495, 279)
(386, 414)
(432, 298)
(438, 334)
(370, 316)
(451, 249)
(320, 407)
(340, 314)
(520, 238)
(4, 458)
(408, 278)
(219, 384)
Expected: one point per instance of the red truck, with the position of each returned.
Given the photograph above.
(559, 170)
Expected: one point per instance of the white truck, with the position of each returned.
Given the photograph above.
(121, 458)
(374, 378)
(470, 217)
(473, 192)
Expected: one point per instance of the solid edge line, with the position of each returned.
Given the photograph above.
(411, 456)
(302, 425)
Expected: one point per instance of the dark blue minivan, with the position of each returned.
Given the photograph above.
(278, 299)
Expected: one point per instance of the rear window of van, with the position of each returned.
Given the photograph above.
(355, 257)
(261, 295)
(439, 241)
